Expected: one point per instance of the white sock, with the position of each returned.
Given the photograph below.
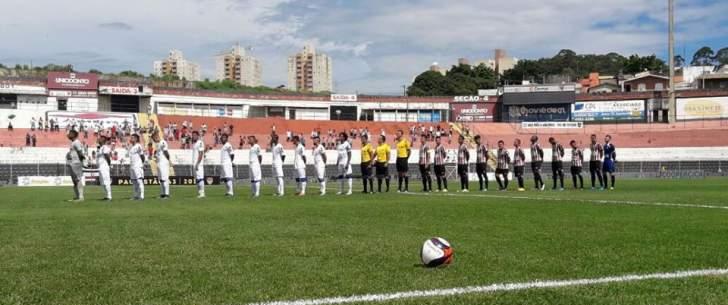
(107, 188)
(141, 189)
(303, 187)
(280, 186)
(80, 190)
(256, 186)
(135, 187)
(323, 187)
(201, 188)
(351, 182)
(341, 185)
(229, 184)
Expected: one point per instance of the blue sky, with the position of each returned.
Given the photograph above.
(377, 45)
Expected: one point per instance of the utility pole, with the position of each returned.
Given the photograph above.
(672, 107)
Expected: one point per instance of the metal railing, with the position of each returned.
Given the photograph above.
(10, 172)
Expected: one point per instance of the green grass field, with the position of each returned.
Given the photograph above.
(237, 251)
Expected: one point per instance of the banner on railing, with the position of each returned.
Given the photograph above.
(174, 180)
(28, 181)
(530, 125)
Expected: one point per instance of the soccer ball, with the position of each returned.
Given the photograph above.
(436, 252)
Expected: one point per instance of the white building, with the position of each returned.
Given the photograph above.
(309, 71)
(177, 65)
(239, 66)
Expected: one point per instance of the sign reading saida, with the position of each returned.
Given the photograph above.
(702, 108)
(175, 180)
(633, 110)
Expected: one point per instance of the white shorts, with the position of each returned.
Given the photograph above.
(104, 175)
(321, 171)
(227, 171)
(301, 173)
(344, 170)
(277, 170)
(255, 175)
(200, 172)
(136, 173)
(163, 171)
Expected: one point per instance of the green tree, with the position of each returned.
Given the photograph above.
(129, 73)
(703, 57)
(95, 71)
(636, 64)
(721, 57)
(679, 61)
(428, 83)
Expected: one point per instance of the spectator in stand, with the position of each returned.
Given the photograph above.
(288, 135)
(203, 130)
(27, 139)
(10, 126)
(242, 142)
(33, 140)
(32, 124)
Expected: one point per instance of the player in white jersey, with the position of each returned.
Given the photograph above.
(198, 161)
(299, 164)
(227, 155)
(136, 167)
(343, 163)
(75, 160)
(161, 153)
(279, 156)
(319, 161)
(255, 159)
(103, 160)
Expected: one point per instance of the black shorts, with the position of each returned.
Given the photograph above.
(462, 169)
(595, 166)
(557, 166)
(424, 170)
(481, 168)
(366, 171)
(518, 171)
(402, 166)
(501, 171)
(382, 170)
(440, 170)
(575, 170)
(536, 166)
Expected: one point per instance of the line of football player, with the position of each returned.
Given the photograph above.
(374, 164)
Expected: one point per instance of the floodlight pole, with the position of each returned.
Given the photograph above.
(672, 104)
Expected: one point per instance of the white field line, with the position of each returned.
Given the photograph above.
(500, 288)
(594, 201)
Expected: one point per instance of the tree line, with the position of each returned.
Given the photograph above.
(565, 65)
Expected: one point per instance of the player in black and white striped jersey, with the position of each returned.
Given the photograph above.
(536, 163)
(557, 165)
(577, 163)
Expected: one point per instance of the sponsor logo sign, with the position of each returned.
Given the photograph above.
(469, 99)
(608, 111)
(344, 98)
(702, 108)
(473, 112)
(538, 112)
(72, 81)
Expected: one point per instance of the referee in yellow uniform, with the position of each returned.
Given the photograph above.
(404, 148)
(367, 160)
(382, 163)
